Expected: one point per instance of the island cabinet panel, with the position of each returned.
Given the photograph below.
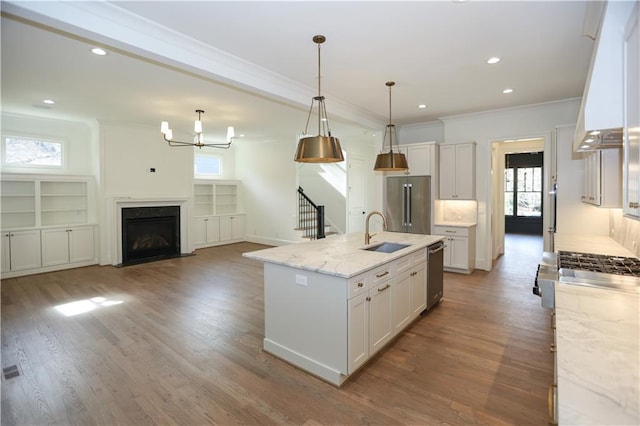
(329, 325)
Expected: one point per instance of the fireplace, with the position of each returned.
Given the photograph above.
(150, 233)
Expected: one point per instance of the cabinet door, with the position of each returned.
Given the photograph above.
(421, 159)
(213, 229)
(447, 252)
(401, 295)
(465, 172)
(358, 331)
(25, 250)
(418, 289)
(631, 179)
(380, 316)
(447, 167)
(81, 244)
(199, 231)
(237, 227)
(231, 228)
(6, 252)
(55, 246)
(459, 249)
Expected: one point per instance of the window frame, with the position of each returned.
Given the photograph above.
(44, 167)
(208, 176)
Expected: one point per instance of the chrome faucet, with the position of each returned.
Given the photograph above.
(367, 236)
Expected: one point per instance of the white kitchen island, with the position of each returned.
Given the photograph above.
(330, 305)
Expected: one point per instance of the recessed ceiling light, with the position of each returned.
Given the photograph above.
(507, 91)
(98, 51)
(48, 101)
(422, 106)
(493, 60)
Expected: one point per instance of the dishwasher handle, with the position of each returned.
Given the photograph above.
(438, 248)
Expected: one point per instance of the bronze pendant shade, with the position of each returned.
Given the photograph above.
(390, 161)
(322, 148)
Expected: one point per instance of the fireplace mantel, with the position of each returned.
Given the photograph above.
(113, 232)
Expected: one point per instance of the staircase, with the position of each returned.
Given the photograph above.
(311, 220)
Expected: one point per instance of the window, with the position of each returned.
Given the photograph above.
(207, 166)
(28, 152)
(523, 185)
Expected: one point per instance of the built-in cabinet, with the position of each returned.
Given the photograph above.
(457, 177)
(602, 178)
(63, 246)
(47, 223)
(631, 165)
(20, 251)
(459, 249)
(422, 158)
(217, 213)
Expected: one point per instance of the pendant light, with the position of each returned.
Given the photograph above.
(322, 148)
(390, 161)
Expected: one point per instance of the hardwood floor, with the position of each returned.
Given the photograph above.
(184, 347)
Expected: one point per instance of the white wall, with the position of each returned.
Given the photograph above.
(484, 128)
(421, 132)
(79, 138)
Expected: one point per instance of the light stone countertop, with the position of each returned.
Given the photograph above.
(597, 244)
(598, 350)
(342, 255)
(456, 224)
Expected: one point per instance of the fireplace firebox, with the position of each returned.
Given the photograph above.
(150, 233)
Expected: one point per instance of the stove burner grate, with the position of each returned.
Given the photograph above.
(629, 266)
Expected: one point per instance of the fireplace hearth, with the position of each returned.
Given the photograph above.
(150, 234)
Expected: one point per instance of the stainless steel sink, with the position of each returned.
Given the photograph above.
(386, 247)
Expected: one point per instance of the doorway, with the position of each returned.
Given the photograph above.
(523, 193)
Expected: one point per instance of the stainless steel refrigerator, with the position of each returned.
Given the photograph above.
(408, 204)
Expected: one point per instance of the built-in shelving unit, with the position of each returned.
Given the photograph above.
(226, 199)
(63, 203)
(18, 204)
(218, 218)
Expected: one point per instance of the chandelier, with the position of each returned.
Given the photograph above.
(322, 148)
(390, 161)
(198, 140)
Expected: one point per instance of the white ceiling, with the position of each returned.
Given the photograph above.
(436, 53)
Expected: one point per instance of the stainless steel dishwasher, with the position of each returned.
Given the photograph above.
(435, 265)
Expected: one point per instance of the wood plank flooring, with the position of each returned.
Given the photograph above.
(184, 347)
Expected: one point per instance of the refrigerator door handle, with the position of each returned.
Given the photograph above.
(409, 204)
(404, 204)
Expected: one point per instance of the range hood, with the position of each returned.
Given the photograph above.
(599, 123)
(601, 139)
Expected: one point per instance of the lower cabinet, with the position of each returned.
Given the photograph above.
(216, 230)
(44, 250)
(459, 250)
(20, 250)
(330, 325)
(63, 246)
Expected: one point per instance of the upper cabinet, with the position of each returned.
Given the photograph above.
(602, 178)
(422, 158)
(631, 164)
(458, 171)
(602, 100)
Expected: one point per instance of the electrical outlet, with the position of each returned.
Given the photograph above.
(301, 280)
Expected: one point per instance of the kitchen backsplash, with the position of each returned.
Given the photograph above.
(456, 211)
(625, 231)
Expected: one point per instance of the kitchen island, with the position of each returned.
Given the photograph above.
(330, 304)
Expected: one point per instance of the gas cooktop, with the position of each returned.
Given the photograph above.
(627, 266)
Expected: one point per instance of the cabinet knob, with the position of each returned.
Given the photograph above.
(552, 347)
(360, 284)
(368, 299)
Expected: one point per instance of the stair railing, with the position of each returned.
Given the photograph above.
(310, 217)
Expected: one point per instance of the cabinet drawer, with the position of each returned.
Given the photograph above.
(358, 285)
(381, 274)
(419, 257)
(451, 230)
(403, 263)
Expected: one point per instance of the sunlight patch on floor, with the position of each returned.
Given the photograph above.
(86, 305)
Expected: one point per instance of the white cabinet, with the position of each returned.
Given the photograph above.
(422, 159)
(358, 331)
(631, 167)
(62, 246)
(457, 175)
(20, 250)
(207, 231)
(602, 178)
(459, 250)
(380, 316)
(217, 213)
(231, 228)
